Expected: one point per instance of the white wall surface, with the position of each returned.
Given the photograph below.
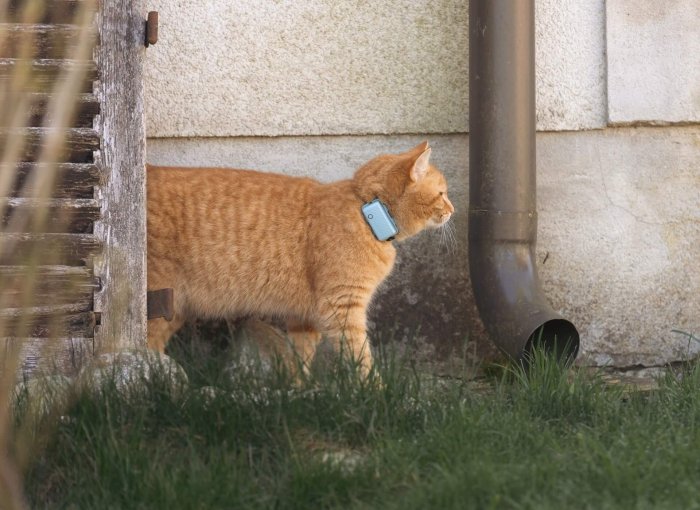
(653, 60)
(570, 64)
(284, 67)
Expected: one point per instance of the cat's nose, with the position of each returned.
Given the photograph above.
(449, 205)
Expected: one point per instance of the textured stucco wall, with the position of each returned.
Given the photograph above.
(618, 233)
(653, 60)
(318, 67)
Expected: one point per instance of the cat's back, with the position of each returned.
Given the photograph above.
(218, 184)
(205, 212)
(201, 197)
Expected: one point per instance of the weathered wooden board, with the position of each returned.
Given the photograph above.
(78, 147)
(86, 107)
(73, 180)
(122, 264)
(57, 273)
(50, 286)
(51, 11)
(54, 41)
(65, 355)
(75, 215)
(45, 323)
(48, 310)
(45, 71)
(55, 249)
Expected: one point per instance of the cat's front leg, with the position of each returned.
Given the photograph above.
(346, 327)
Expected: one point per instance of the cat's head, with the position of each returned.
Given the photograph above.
(413, 189)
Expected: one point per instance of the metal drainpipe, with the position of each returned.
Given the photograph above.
(502, 199)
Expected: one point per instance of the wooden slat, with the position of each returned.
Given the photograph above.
(62, 215)
(74, 180)
(61, 301)
(52, 286)
(57, 273)
(48, 323)
(45, 71)
(121, 55)
(86, 107)
(63, 355)
(58, 249)
(55, 41)
(64, 309)
(79, 143)
(52, 11)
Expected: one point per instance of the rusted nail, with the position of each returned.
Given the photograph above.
(159, 303)
(152, 28)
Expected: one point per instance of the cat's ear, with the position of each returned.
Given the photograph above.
(420, 165)
(420, 148)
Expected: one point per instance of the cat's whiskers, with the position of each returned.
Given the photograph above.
(447, 237)
(451, 229)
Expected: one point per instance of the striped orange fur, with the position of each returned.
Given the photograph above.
(233, 243)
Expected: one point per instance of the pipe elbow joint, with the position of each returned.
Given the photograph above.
(509, 296)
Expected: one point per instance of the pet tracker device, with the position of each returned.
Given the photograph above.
(379, 220)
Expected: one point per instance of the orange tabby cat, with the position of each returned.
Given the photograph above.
(237, 242)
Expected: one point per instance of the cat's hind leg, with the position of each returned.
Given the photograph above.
(305, 339)
(160, 331)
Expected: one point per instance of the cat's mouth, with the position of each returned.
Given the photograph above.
(439, 222)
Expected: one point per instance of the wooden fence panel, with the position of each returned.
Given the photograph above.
(88, 236)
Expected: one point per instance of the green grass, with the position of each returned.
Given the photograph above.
(539, 439)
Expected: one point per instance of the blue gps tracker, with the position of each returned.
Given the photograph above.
(379, 220)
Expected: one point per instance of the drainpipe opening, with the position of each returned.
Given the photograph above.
(556, 337)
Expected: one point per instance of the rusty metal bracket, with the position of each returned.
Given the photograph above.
(152, 28)
(159, 303)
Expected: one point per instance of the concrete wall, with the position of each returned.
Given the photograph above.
(339, 82)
